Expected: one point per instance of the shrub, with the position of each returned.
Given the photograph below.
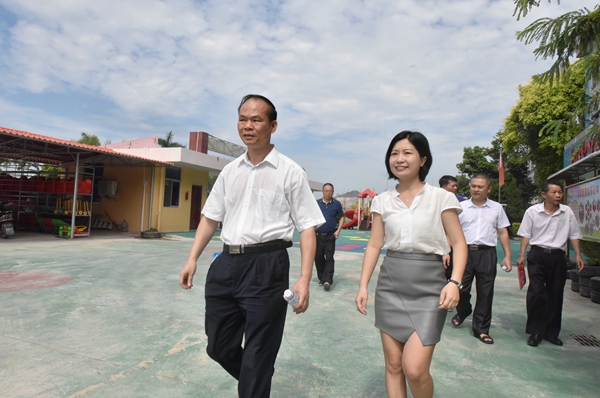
(515, 227)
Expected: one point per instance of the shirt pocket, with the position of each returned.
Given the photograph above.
(269, 206)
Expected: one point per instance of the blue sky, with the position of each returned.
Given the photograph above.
(345, 75)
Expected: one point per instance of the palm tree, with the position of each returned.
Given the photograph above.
(168, 142)
(571, 35)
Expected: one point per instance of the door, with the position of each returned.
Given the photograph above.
(196, 207)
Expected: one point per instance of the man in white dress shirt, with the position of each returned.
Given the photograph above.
(260, 198)
(483, 221)
(547, 227)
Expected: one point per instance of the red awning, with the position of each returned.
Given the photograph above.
(366, 192)
(22, 145)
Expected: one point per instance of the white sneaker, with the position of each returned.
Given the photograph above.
(326, 285)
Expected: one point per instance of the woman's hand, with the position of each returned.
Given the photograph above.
(361, 301)
(449, 297)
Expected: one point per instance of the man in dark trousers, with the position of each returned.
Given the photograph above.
(260, 198)
(546, 227)
(483, 221)
(450, 184)
(327, 234)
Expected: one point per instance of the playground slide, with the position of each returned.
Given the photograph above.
(351, 214)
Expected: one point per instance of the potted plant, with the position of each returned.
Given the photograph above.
(151, 233)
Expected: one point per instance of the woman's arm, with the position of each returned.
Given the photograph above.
(369, 262)
(451, 293)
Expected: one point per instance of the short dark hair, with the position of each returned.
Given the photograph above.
(547, 183)
(271, 113)
(483, 177)
(420, 143)
(445, 180)
(330, 184)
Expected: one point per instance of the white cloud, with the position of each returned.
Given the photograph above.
(345, 74)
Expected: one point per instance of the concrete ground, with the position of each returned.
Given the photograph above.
(105, 317)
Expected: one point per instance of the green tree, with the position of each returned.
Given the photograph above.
(89, 139)
(168, 142)
(575, 34)
(518, 188)
(476, 160)
(526, 138)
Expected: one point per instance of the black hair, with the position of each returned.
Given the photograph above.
(330, 184)
(483, 177)
(547, 183)
(271, 113)
(420, 143)
(445, 180)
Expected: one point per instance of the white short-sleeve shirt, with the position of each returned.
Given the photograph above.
(418, 228)
(263, 202)
(550, 231)
(480, 224)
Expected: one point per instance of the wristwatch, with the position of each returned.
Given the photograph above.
(457, 283)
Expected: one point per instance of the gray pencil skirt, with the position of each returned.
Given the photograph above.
(407, 296)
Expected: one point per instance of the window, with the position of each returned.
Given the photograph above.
(172, 181)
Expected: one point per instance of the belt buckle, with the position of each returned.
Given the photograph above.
(236, 249)
(474, 247)
(548, 251)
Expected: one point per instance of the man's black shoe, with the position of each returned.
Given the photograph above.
(553, 340)
(534, 340)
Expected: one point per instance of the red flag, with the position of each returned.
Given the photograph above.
(501, 171)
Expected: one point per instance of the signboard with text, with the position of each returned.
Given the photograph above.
(580, 147)
(584, 200)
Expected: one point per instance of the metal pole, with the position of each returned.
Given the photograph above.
(499, 186)
(74, 207)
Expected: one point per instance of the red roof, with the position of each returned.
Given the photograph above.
(22, 145)
(365, 193)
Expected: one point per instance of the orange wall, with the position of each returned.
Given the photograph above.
(128, 203)
(176, 219)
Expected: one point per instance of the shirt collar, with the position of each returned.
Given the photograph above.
(471, 204)
(540, 209)
(272, 158)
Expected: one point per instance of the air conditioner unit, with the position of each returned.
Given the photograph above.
(108, 188)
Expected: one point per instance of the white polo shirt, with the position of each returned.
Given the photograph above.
(480, 223)
(550, 231)
(264, 202)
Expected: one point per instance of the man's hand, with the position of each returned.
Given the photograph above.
(521, 260)
(186, 275)
(580, 263)
(446, 260)
(302, 290)
(506, 262)
(336, 234)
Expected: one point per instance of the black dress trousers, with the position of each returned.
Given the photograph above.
(324, 261)
(547, 278)
(244, 302)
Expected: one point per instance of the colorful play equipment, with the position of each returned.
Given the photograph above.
(353, 216)
(360, 217)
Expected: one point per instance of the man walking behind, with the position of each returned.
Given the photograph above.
(259, 197)
(547, 227)
(483, 221)
(327, 234)
(450, 184)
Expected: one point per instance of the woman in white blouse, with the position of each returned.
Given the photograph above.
(412, 296)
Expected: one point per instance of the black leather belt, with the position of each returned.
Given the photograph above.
(548, 251)
(265, 247)
(480, 247)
